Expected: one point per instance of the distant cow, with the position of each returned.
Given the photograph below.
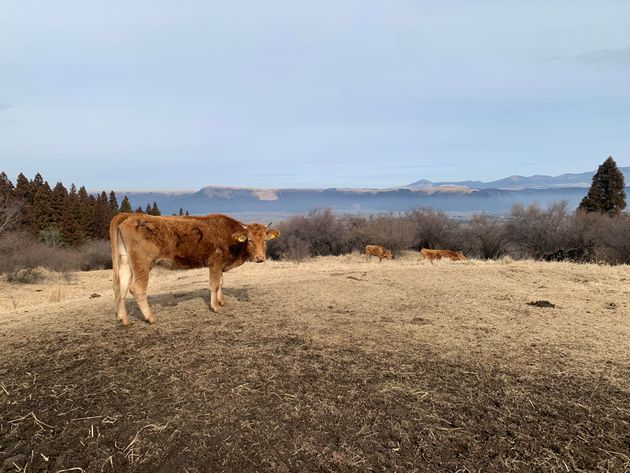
(215, 241)
(432, 255)
(379, 251)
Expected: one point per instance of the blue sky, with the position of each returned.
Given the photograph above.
(153, 94)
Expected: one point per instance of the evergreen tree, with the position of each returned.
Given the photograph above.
(187, 214)
(125, 205)
(37, 183)
(6, 186)
(24, 190)
(139, 210)
(113, 203)
(24, 193)
(58, 201)
(86, 210)
(181, 211)
(155, 210)
(148, 210)
(607, 194)
(71, 229)
(42, 206)
(101, 217)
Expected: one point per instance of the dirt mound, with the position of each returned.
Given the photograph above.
(545, 304)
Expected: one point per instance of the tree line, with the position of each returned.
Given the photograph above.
(57, 215)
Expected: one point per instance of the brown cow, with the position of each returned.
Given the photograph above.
(379, 251)
(432, 255)
(215, 241)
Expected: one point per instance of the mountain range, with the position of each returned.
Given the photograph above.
(459, 198)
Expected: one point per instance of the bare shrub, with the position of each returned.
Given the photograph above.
(321, 230)
(434, 229)
(396, 233)
(25, 276)
(296, 249)
(96, 254)
(52, 237)
(528, 232)
(534, 231)
(485, 237)
(612, 239)
(20, 255)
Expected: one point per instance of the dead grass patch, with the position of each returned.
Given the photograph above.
(332, 364)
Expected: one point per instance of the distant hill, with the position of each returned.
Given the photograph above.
(581, 180)
(456, 198)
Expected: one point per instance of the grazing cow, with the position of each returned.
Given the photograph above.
(215, 241)
(379, 251)
(432, 255)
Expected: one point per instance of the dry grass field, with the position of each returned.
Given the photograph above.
(336, 364)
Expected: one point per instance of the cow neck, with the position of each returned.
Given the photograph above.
(239, 253)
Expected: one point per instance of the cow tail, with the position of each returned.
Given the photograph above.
(113, 238)
(116, 239)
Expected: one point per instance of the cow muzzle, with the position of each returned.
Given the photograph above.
(259, 259)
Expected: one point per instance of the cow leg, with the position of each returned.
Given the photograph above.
(215, 285)
(220, 296)
(138, 288)
(122, 280)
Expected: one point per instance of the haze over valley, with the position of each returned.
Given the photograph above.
(459, 199)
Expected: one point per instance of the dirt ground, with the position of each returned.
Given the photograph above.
(332, 365)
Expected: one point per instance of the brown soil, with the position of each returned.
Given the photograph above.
(336, 364)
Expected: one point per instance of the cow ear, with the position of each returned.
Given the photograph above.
(272, 234)
(240, 236)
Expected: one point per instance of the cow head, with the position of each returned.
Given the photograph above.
(389, 255)
(460, 256)
(256, 236)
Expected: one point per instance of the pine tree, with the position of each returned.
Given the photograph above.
(23, 189)
(139, 210)
(58, 201)
(155, 210)
(36, 183)
(101, 217)
(148, 210)
(42, 206)
(187, 214)
(607, 194)
(113, 203)
(71, 229)
(86, 210)
(125, 205)
(181, 211)
(6, 186)
(24, 193)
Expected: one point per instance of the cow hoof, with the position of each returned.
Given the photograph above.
(215, 309)
(150, 320)
(124, 322)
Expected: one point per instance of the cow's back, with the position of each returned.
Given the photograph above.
(374, 250)
(185, 241)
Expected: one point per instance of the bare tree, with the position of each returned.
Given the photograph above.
(9, 213)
